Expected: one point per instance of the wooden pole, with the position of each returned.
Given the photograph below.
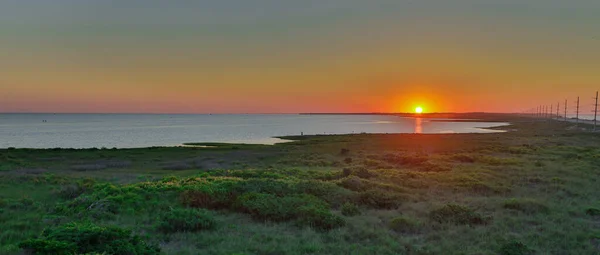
(577, 112)
(565, 109)
(595, 110)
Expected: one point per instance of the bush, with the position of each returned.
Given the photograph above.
(527, 206)
(350, 209)
(48, 247)
(346, 172)
(515, 248)
(344, 151)
(457, 214)
(408, 160)
(353, 183)
(363, 173)
(403, 224)
(307, 210)
(379, 199)
(431, 167)
(318, 218)
(207, 198)
(70, 191)
(186, 220)
(74, 238)
(465, 158)
(592, 212)
(274, 208)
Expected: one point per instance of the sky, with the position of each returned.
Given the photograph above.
(283, 56)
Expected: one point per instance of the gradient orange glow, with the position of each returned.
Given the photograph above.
(288, 57)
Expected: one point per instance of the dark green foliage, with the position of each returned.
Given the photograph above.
(465, 158)
(408, 160)
(592, 212)
(379, 199)
(88, 238)
(363, 173)
(457, 214)
(318, 218)
(431, 167)
(348, 160)
(186, 220)
(307, 210)
(70, 191)
(353, 183)
(40, 246)
(274, 208)
(344, 151)
(350, 209)
(210, 199)
(515, 248)
(527, 206)
(346, 172)
(403, 224)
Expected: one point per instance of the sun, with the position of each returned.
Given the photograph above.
(419, 109)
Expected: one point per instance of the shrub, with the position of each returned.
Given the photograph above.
(527, 206)
(350, 209)
(353, 183)
(274, 208)
(592, 211)
(379, 199)
(515, 248)
(346, 172)
(404, 224)
(186, 220)
(348, 160)
(431, 167)
(74, 238)
(363, 173)
(38, 246)
(457, 214)
(465, 158)
(344, 151)
(207, 198)
(307, 210)
(409, 160)
(318, 218)
(70, 191)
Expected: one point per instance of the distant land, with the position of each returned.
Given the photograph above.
(467, 116)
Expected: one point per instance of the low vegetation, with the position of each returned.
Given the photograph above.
(532, 191)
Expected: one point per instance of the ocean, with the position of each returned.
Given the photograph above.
(146, 130)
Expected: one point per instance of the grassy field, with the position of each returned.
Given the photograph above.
(534, 190)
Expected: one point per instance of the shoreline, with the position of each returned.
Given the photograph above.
(402, 190)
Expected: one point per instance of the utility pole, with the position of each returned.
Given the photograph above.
(595, 110)
(551, 111)
(577, 112)
(557, 107)
(565, 109)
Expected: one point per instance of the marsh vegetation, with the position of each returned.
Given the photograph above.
(531, 191)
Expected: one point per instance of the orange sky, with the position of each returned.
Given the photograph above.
(319, 56)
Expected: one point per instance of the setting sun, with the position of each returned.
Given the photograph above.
(419, 109)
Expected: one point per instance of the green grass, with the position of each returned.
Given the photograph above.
(533, 191)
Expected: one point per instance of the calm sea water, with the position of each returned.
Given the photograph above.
(145, 130)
